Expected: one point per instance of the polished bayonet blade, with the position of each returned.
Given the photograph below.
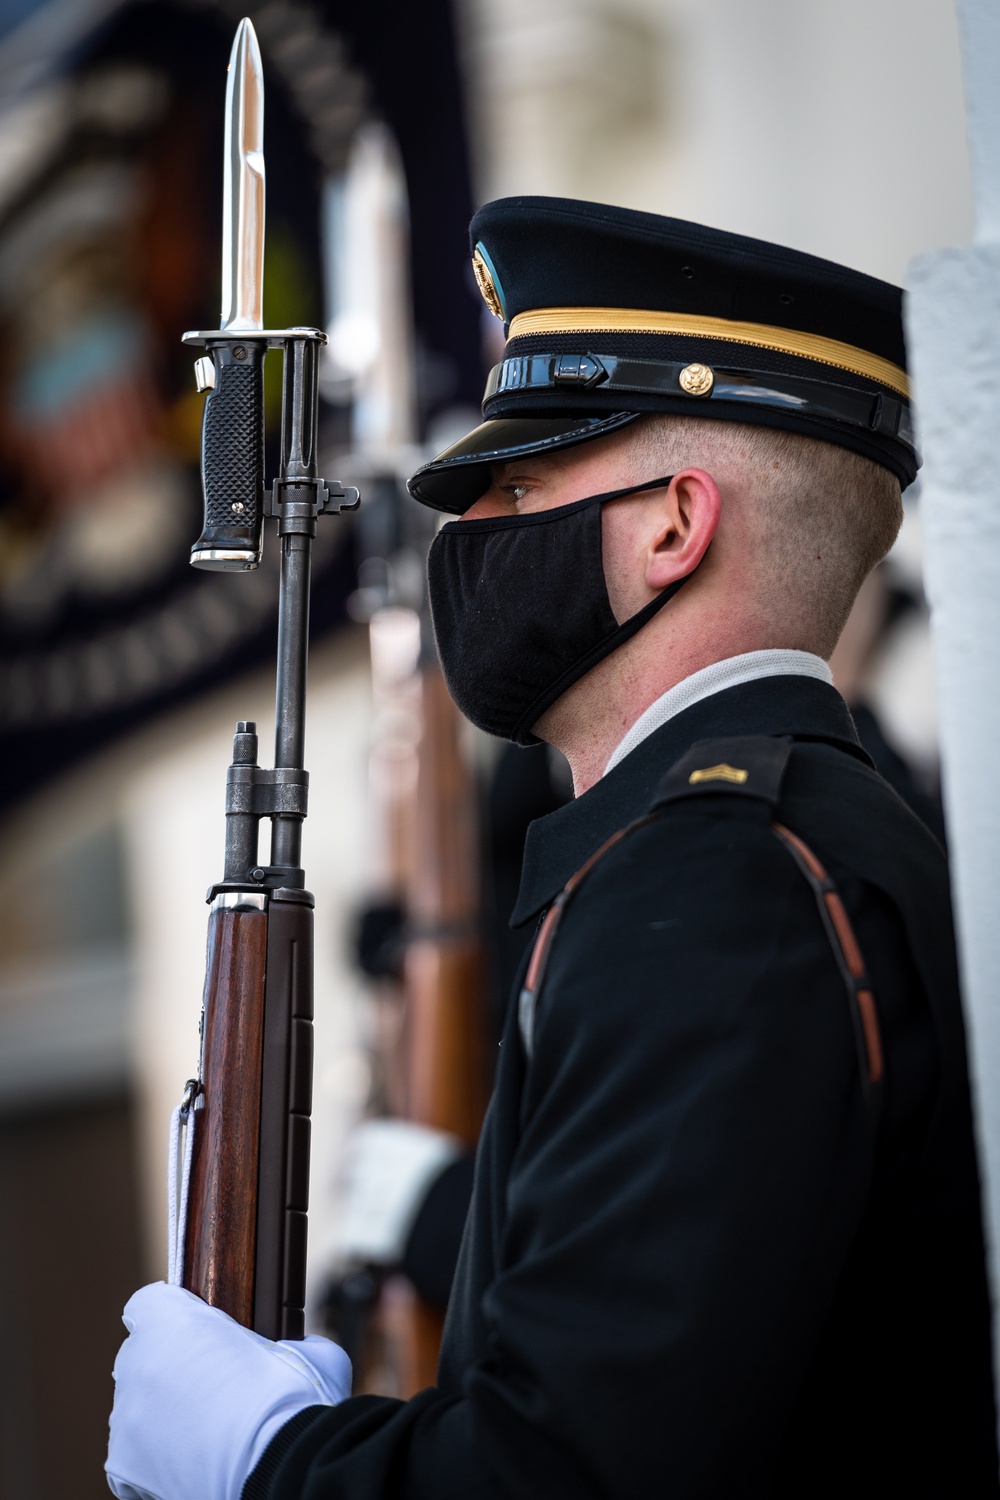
(243, 187)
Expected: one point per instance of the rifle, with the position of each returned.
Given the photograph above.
(443, 970)
(443, 1062)
(421, 932)
(429, 1064)
(241, 1232)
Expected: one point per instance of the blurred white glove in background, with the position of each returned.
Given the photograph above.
(389, 1164)
(198, 1397)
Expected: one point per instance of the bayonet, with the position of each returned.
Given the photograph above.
(243, 188)
(232, 449)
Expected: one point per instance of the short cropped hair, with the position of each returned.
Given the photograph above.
(819, 517)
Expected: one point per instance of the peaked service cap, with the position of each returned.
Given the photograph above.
(610, 313)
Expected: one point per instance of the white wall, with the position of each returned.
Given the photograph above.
(835, 126)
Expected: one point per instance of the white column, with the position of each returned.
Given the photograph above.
(954, 345)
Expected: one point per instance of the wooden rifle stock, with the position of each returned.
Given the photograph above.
(444, 1069)
(246, 1224)
(443, 1062)
(219, 1251)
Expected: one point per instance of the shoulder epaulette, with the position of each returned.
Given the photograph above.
(749, 766)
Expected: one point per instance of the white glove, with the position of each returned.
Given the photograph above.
(389, 1165)
(198, 1397)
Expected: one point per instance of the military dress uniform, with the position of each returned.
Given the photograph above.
(706, 1254)
(725, 1234)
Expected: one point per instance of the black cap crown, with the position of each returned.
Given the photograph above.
(610, 313)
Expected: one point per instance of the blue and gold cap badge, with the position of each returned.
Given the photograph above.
(488, 282)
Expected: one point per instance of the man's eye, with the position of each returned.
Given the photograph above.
(519, 491)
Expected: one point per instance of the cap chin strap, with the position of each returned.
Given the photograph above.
(522, 732)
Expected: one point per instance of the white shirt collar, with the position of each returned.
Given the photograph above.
(712, 679)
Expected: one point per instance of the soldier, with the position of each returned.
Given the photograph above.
(725, 1232)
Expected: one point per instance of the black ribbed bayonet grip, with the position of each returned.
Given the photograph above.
(232, 458)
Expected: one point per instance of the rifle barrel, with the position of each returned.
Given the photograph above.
(290, 691)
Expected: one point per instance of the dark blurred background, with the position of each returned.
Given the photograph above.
(110, 213)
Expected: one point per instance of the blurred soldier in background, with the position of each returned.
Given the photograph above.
(884, 599)
(406, 1187)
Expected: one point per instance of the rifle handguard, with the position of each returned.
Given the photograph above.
(232, 465)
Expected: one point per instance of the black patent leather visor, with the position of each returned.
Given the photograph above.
(456, 478)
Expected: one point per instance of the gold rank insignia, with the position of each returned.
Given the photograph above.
(485, 280)
(719, 773)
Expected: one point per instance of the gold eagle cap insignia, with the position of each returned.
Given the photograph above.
(484, 281)
(696, 379)
(719, 773)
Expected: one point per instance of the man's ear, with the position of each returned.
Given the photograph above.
(689, 520)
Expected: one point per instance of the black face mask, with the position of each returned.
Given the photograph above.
(521, 611)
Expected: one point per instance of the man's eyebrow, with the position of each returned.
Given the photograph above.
(506, 473)
(515, 469)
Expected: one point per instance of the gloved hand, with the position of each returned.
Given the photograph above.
(198, 1397)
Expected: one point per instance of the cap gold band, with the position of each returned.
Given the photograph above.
(758, 335)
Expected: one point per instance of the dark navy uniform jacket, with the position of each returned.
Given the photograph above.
(704, 1257)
